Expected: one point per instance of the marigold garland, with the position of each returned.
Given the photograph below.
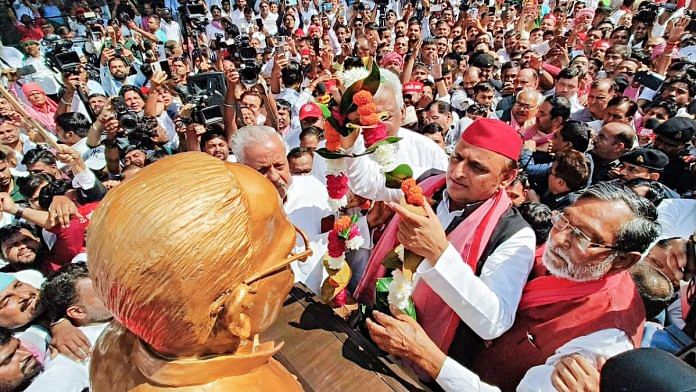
(412, 192)
(344, 236)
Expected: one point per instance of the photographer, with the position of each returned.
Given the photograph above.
(155, 34)
(44, 76)
(158, 101)
(78, 80)
(117, 71)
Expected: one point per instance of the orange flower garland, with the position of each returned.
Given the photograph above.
(412, 192)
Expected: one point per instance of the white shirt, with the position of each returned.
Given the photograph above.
(44, 76)
(366, 178)
(487, 303)
(306, 204)
(677, 218)
(173, 30)
(606, 342)
(269, 23)
(62, 373)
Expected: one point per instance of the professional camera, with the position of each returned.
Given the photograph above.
(128, 120)
(248, 67)
(206, 92)
(60, 55)
(221, 43)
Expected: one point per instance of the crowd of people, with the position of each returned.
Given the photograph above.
(554, 142)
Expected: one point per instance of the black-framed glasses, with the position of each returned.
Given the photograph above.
(560, 223)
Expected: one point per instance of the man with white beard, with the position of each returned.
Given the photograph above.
(588, 306)
(305, 199)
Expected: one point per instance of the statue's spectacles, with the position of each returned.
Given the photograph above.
(302, 256)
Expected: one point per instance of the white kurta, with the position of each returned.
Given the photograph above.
(606, 343)
(306, 205)
(486, 303)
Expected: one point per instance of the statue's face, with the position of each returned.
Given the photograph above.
(269, 293)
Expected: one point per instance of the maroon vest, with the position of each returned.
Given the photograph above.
(539, 331)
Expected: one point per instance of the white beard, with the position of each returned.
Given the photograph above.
(571, 271)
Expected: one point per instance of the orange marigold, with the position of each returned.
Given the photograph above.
(370, 119)
(412, 192)
(333, 138)
(414, 196)
(343, 223)
(407, 184)
(364, 110)
(362, 97)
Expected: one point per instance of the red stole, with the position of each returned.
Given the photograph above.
(469, 238)
(554, 311)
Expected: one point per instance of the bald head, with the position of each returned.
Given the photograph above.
(527, 78)
(613, 140)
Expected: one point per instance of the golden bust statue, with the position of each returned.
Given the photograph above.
(192, 258)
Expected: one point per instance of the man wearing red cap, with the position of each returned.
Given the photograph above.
(478, 250)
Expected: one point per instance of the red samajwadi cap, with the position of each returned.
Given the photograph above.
(413, 86)
(494, 135)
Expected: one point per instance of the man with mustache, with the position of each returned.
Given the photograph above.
(587, 305)
(304, 197)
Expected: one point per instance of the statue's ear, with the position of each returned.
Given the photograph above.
(234, 318)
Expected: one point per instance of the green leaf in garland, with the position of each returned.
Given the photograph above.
(347, 104)
(396, 176)
(370, 83)
(374, 147)
(323, 152)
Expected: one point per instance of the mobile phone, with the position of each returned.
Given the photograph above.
(648, 79)
(162, 66)
(491, 9)
(326, 6)
(473, 12)
(25, 70)
(259, 23)
(562, 41)
(107, 43)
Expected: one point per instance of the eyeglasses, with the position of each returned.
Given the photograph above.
(560, 223)
(283, 263)
(525, 106)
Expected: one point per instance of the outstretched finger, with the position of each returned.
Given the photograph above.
(405, 214)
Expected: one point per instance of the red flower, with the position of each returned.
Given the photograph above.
(362, 97)
(337, 247)
(354, 232)
(337, 186)
(374, 135)
(340, 299)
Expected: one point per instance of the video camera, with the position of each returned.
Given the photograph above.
(62, 58)
(193, 13)
(206, 92)
(128, 120)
